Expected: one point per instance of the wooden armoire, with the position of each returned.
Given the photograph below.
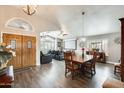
(122, 49)
(24, 47)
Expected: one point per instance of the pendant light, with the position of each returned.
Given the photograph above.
(83, 38)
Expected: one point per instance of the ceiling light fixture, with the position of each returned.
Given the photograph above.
(82, 38)
(29, 9)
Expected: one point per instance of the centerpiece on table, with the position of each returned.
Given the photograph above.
(83, 52)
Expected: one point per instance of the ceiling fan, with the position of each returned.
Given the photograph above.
(62, 33)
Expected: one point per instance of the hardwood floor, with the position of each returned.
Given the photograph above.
(52, 76)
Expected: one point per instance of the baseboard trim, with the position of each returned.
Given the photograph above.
(110, 62)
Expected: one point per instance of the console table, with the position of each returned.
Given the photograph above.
(101, 55)
(6, 80)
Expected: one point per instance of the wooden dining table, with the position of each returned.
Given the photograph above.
(79, 59)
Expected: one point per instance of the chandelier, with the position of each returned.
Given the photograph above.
(29, 9)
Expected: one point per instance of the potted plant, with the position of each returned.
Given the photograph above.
(5, 56)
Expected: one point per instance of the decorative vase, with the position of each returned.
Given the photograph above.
(82, 52)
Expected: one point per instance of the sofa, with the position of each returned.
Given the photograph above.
(45, 58)
(57, 55)
(52, 53)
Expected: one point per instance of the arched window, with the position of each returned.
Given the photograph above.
(18, 23)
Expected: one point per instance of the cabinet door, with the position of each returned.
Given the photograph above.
(29, 51)
(15, 42)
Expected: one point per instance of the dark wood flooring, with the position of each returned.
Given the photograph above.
(52, 76)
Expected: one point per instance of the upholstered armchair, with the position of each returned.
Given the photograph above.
(45, 58)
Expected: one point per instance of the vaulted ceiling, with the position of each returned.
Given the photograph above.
(98, 19)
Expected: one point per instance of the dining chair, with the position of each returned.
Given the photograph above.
(89, 66)
(117, 67)
(70, 65)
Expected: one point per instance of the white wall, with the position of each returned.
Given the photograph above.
(114, 50)
(0, 37)
(37, 48)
